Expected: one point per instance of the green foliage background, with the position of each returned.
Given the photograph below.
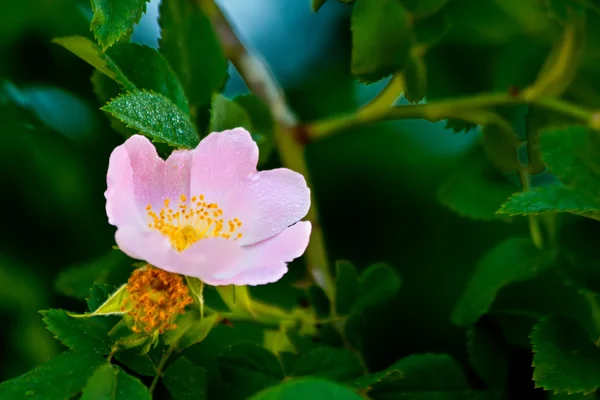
(413, 194)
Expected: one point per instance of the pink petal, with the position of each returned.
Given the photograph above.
(267, 202)
(205, 259)
(266, 262)
(137, 176)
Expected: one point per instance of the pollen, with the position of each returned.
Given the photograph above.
(157, 297)
(191, 220)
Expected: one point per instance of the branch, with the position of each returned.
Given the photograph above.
(289, 136)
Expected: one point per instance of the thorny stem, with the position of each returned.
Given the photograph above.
(289, 137)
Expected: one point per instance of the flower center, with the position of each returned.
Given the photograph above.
(192, 221)
(158, 297)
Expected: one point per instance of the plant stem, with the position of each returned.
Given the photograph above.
(465, 108)
(288, 135)
(161, 365)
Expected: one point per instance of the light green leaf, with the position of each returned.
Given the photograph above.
(377, 284)
(155, 116)
(189, 44)
(475, 189)
(226, 114)
(79, 334)
(313, 389)
(380, 39)
(191, 329)
(551, 198)
(329, 363)
(347, 287)
(573, 154)
(248, 368)
(60, 378)
(133, 66)
(277, 342)
(564, 360)
(115, 18)
(76, 280)
(514, 260)
(116, 304)
(185, 381)
(237, 298)
(110, 382)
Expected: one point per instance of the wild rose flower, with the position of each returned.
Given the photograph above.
(207, 212)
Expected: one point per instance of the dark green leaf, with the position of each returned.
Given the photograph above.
(155, 116)
(99, 293)
(76, 281)
(80, 334)
(378, 284)
(421, 372)
(133, 66)
(370, 380)
(226, 114)
(140, 364)
(431, 31)
(354, 329)
(317, 4)
(516, 259)
(488, 355)
(191, 47)
(185, 381)
(347, 287)
(248, 368)
(415, 75)
(564, 360)
(313, 389)
(476, 189)
(60, 378)
(573, 154)
(551, 198)
(380, 39)
(330, 363)
(109, 382)
(115, 18)
(318, 299)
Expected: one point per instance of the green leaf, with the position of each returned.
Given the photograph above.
(376, 378)
(347, 287)
(110, 382)
(423, 8)
(514, 260)
(476, 189)
(79, 334)
(99, 294)
(191, 329)
(62, 377)
(488, 355)
(277, 342)
(76, 281)
(248, 368)
(89, 52)
(226, 114)
(380, 39)
(317, 4)
(155, 116)
(551, 198)
(329, 363)
(185, 381)
(189, 44)
(115, 18)
(573, 154)
(133, 66)
(378, 284)
(431, 31)
(141, 364)
(313, 389)
(421, 372)
(564, 360)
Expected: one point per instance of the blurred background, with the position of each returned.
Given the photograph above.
(376, 186)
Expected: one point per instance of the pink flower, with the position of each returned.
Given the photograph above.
(207, 212)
